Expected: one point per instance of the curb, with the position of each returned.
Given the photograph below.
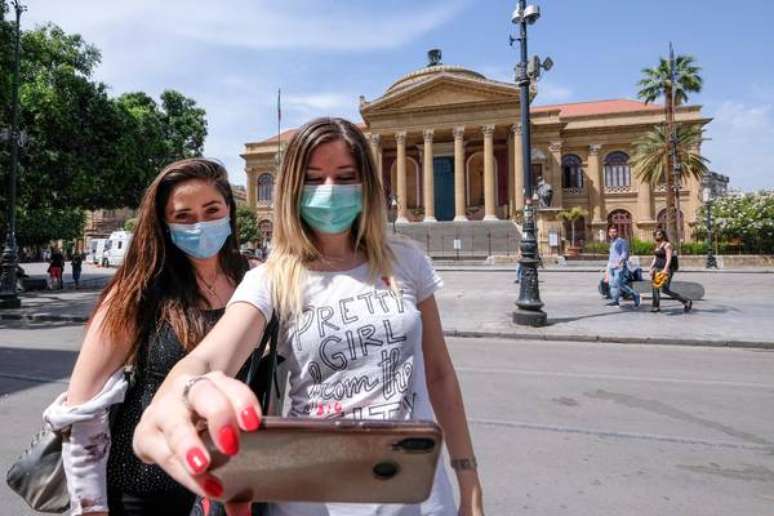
(500, 268)
(660, 341)
(43, 317)
(471, 334)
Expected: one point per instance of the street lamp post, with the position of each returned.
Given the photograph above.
(8, 263)
(529, 306)
(707, 197)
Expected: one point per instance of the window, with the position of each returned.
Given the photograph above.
(265, 187)
(617, 171)
(622, 220)
(572, 172)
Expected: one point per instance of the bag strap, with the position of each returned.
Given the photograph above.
(260, 380)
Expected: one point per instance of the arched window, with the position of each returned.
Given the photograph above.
(265, 187)
(266, 228)
(617, 171)
(572, 172)
(622, 220)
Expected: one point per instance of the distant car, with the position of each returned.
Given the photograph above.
(118, 245)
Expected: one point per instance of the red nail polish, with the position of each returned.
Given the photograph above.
(197, 461)
(213, 488)
(250, 419)
(229, 442)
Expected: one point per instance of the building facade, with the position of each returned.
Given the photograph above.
(447, 144)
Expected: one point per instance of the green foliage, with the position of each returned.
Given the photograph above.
(130, 224)
(694, 248)
(641, 247)
(747, 219)
(650, 154)
(658, 81)
(247, 225)
(596, 247)
(37, 227)
(85, 150)
(572, 215)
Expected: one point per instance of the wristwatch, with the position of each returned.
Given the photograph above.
(464, 464)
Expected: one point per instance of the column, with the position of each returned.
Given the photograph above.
(644, 203)
(400, 137)
(251, 189)
(428, 178)
(376, 152)
(556, 173)
(518, 168)
(596, 185)
(459, 175)
(489, 179)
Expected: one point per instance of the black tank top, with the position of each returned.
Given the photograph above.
(125, 472)
(660, 254)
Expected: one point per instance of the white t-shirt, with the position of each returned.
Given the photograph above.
(356, 352)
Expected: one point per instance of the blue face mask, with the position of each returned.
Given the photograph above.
(331, 208)
(203, 239)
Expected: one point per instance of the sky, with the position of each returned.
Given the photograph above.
(231, 56)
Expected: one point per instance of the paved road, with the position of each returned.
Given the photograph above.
(560, 428)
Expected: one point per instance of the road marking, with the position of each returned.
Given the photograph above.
(619, 435)
(602, 376)
(35, 379)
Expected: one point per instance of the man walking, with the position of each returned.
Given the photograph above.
(76, 262)
(617, 268)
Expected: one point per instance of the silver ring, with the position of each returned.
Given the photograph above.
(187, 389)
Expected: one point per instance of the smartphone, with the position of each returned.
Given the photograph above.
(313, 460)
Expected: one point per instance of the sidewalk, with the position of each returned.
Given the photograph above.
(736, 311)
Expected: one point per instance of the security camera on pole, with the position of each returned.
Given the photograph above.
(529, 311)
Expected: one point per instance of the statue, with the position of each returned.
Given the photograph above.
(544, 193)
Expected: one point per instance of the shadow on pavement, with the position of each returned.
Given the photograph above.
(23, 368)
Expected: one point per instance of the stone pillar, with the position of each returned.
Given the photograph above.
(596, 187)
(376, 152)
(400, 138)
(490, 206)
(644, 200)
(518, 168)
(252, 188)
(428, 179)
(556, 173)
(459, 175)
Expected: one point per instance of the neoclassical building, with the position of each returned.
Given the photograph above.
(447, 144)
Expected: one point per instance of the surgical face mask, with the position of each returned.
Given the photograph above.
(331, 208)
(203, 239)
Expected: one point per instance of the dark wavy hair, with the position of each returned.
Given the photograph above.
(157, 282)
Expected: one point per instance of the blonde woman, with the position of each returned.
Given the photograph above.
(334, 278)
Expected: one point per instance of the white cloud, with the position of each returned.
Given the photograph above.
(549, 92)
(741, 143)
(320, 101)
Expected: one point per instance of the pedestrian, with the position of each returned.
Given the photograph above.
(55, 269)
(181, 267)
(519, 271)
(75, 264)
(331, 258)
(665, 261)
(617, 269)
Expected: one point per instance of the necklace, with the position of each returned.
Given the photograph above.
(210, 287)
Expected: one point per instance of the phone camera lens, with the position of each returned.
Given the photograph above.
(417, 444)
(386, 470)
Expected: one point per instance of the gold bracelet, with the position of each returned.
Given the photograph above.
(464, 464)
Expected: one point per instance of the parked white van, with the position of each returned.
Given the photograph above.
(97, 248)
(118, 244)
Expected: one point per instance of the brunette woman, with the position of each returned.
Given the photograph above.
(181, 268)
(663, 261)
(331, 256)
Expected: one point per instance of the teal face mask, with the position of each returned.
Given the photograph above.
(331, 208)
(203, 239)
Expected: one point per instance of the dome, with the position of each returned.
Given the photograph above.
(427, 72)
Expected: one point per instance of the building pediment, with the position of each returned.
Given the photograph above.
(441, 91)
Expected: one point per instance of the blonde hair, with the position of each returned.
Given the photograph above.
(292, 244)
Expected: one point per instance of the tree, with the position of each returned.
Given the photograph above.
(130, 224)
(85, 150)
(649, 160)
(572, 215)
(657, 82)
(247, 226)
(748, 218)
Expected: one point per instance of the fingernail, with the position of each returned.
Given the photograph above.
(197, 461)
(213, 488)
(250, 419)
(228, 440)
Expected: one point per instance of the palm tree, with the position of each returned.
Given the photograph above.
(657, 82)
(572, 215)
(652, 158)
